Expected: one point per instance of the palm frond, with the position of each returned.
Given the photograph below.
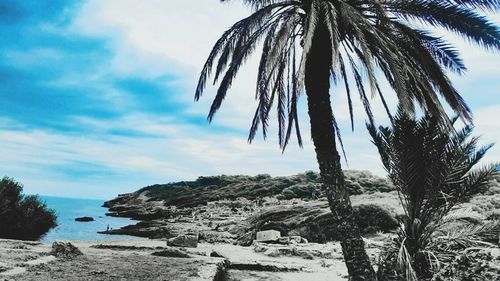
(433, 170)
(487, 5)
(471, 235)
(365, 35)
(457, 18)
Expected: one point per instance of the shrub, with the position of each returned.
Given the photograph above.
(354, 188)
(307, 190)
(218, 181)
(22, 217)
(311, 176)
(262, 177)
(373, 218)
(304, 186)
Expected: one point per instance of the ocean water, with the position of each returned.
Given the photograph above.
(68, 209)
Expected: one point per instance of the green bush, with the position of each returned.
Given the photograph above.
(304, 186)
(373, 218)
(23, 217)
(311, 176)
(261, 177)
(354, 188)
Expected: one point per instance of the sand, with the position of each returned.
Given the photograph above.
(133, 260)
(20, 260)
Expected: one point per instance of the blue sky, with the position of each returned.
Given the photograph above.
(97, 99)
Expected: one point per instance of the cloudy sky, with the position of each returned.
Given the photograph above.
(97, 99)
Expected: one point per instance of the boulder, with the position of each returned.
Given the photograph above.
(246, 239)
(188, 241)
(268, 235)
(84, 219)
(65, 250)
(283, 240)
(303, 251)
(314, 221)
(3, 267)
(305, 254)
(172, 253)
(259, 248)
(297, 240)
(216, 254)
(272, 252)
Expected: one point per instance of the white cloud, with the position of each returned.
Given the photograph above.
(157, 31)
(177, 31)
(486, 126)
(126, 162)
(149, 39)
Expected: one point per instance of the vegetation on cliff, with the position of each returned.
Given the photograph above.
(303, 186)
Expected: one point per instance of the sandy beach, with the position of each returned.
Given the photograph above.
(21, 260)
(133, 260)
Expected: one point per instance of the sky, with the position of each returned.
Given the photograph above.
(97, 99)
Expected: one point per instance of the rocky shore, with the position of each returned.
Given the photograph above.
(237, 221)
(200, 208)
(226, 228)
(287, 235)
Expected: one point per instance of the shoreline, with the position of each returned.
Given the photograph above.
(68, 209)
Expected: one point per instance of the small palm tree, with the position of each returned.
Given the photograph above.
(307, 44)
(432, 170)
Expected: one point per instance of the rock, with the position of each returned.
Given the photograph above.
(284, 240)
(65, 250)
(326, 254)
(84, 219)
(297, 239)
(121, 199)
(153, 229)
(97, 272)
(263, 266)
(3, 267)
(246, 239)
(272, 252)
(189, 241)
(305, 254)
(124, 248)
(291, 240)
(171, 252)
(259, 248)
(268, 235)
(215, 254)
(312, 220)
(277, 250)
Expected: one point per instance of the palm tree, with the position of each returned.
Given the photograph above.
(432, 170)
(309, 43)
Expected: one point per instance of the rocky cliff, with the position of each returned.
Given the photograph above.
(232, 208)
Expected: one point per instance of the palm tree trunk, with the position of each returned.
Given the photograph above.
(317, 83)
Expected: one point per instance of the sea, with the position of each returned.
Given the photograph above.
(67, 209)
